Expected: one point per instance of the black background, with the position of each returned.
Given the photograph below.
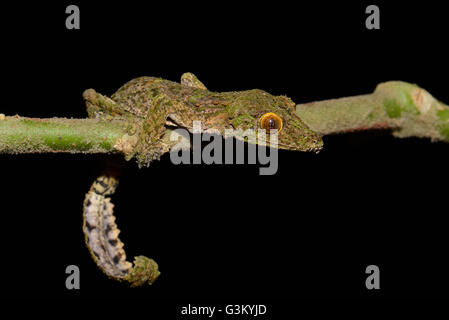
(223, 233)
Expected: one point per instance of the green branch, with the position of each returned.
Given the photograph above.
(404, 108)
(28, 135)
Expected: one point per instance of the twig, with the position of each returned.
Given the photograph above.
(404, 108)
(28, 135)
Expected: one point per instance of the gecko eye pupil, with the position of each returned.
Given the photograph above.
(271, 121)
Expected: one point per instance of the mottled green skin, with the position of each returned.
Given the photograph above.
(145, 270)
(150, 105)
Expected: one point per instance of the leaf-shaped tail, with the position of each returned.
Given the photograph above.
(101, 236)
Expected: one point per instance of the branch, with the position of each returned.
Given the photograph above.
(28, 135)
(406, 109)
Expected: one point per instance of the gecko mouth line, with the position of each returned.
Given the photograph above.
(173, 124)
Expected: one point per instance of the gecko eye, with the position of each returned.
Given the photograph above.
(270, 121)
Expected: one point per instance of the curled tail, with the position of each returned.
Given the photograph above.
(101, 236)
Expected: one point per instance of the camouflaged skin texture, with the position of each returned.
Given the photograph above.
(101, 232)
(149, 104)
(101, 236)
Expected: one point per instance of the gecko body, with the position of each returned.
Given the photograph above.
(150, 108)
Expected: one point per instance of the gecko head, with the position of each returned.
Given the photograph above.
(258, 110)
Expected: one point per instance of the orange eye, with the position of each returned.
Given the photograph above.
(270, 121)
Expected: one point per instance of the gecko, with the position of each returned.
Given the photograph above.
(151, 108)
